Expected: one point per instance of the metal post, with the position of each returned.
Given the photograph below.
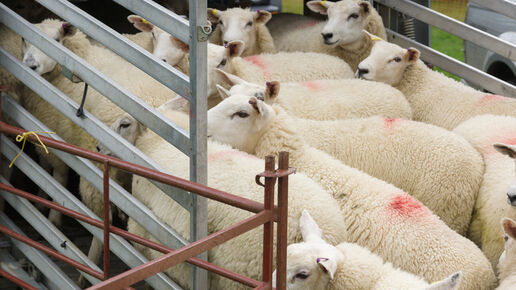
(106, 219)
(281, 235)
(198, 129)
(268, 228)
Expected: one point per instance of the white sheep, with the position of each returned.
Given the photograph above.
(507, 264)
(234, 172)
(343, 34)
(378, 215)
(11, 42)
(326, 99)
(434, 97)
(491, 206)
(244, 25)
(315, 264)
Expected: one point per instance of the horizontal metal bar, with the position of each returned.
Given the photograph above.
(88, 122)
(171, 259)
(161, 17)
(122, 97)
(12, 270)
(163, 72)
(51, 234)
(466, 32)
(504, 7)
(119, 246)
(119, 196)
(469, 73)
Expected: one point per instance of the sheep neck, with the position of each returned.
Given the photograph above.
(507, 269)
(355, 52)
(350, 272)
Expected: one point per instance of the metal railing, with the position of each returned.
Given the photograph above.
(266, 214)
(193, 89)
(466, 32)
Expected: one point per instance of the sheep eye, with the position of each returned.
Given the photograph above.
(505, 238)
(353, 15)
(125, 125)
(220, 22)
(397, 59)
(241, 114)
(222, 63)
(249, 24)
(153, 36)
(302, 275)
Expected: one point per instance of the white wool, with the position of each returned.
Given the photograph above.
(434, 97)
(349, 42)
(378, 215)
(491, 205)
(12, 43)
(507, 264)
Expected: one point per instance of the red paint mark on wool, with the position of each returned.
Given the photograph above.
(313, 85)
(488, 148)
(258, 61)
(492, 98)
(404, 205)
(308, 24)
(230, 154)
(390, 122)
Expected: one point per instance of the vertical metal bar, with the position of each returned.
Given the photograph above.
(198, 130)
(268, 228)
(281, 235)
(106, 219)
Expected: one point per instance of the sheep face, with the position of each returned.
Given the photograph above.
(165, 46)
(127, 127)
(508, 256)
(239, 120)
(312, 263)
(387, 63)
(219, 58)
(35, 58)
(346, 20)
(238, 24)
(509, 150)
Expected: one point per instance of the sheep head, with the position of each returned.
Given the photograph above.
(238, 24)
(35, 58)
(509, 150)
(346, 20)
(508, 257)
(219, 58)
(238, 86)
(387, 63)
(312, 263)
(127, 127)
(240, 121)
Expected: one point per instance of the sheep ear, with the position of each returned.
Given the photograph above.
(67, 30)
(213, 15)
(509, 227)
(229, 79)
(509, 150)
(450, 283)
(262, 16)
(309, 228)
(140, 23)
(235, 48)
(174, 104)
(271, 91)
(224, 93)
(319, 6)
(365, 7)
(328, 266)
(179, 44)
(412, 54)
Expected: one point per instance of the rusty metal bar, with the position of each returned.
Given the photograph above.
(51, 252)
(16, 281)
(282, 226)
(202, 190)
(168, 260)
(268, 227)
(106, 219)
(263, 286)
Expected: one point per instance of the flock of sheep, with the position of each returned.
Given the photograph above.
(405, 176)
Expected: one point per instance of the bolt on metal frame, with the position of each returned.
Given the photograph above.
(266, 214)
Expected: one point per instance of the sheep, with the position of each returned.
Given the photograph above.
(342, 36)
(506, 266)
(231, 171)
(378, 215)
(350, 98)
(244, 25)
(11, 42)
(315, 264)
(482, 132)
(434, 98)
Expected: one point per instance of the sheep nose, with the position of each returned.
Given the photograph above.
(362, 71)
(511, 198)
(33, 67)
(225, 43)
(164, 60)
(98, 148)
(327, 36)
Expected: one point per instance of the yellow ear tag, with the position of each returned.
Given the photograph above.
(323, 2)
(375, 38)
(23, 137)
(214, 11)
(144, 21)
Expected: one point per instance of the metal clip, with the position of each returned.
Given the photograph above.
(203, 32)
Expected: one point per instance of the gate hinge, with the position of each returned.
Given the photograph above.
(203, 32)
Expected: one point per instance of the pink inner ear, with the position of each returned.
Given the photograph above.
(365, 7)
(510, 228)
